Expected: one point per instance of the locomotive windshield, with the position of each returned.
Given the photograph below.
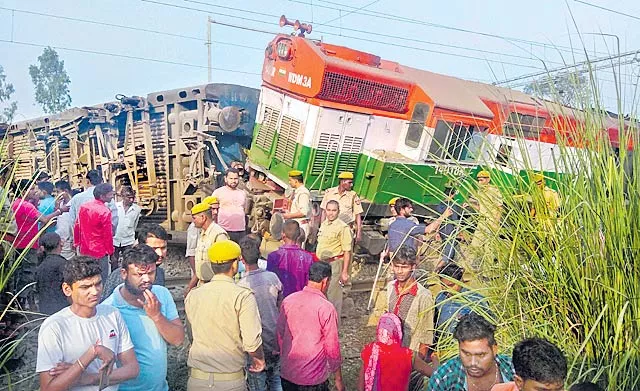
(453, 141)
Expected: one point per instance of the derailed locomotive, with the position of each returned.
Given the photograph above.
(402, 131)
(169, 146)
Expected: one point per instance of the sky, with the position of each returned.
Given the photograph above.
(135, 47)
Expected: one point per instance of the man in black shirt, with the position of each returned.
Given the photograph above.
(49, 275)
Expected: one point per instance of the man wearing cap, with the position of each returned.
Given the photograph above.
(299, 201)
(487, 202)
(350, 207)
(335, 245)
(226, 326)
(550, 196)
(193, 233)
(210, 233)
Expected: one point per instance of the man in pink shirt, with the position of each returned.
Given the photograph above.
(92, 232)
(307, 333)
(233, 204)
(27, 217)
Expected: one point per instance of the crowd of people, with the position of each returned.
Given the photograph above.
(253, 323)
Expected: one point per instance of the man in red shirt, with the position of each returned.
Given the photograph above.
(27, 217)
(92, 232)
(307, 332)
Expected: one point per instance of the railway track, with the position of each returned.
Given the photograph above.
(176, 285)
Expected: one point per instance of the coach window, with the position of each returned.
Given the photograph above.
(416, 126)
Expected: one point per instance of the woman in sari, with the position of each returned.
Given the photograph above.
(387, 365)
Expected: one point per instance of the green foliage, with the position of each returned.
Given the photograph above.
(51, 82)
(574, 278)
(6, 90)
(569, 88)
(16, 324)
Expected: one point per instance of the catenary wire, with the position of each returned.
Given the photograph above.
(352, 37)
(109, 54)
(388, 16)
(607, 9)
(132, 28)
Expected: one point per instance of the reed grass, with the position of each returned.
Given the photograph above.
(574, 278)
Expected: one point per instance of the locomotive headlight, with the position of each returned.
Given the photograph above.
(284, 50)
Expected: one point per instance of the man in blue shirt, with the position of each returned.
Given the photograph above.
(403, 232)
(454, 301)
(150, 315)
(47, 204)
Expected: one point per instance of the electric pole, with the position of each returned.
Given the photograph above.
(209, 21)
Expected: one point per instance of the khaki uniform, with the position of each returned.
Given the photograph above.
(349, 203)
(225, 322)
(334, 238)
(489, 200)
(207, 237)
(547, 217)
(552, 199)
(300, 201)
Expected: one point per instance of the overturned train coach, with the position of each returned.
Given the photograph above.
(402, 131)
(168, 146)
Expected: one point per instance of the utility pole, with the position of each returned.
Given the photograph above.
(209, 21)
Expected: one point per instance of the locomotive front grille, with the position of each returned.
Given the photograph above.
(337, 87)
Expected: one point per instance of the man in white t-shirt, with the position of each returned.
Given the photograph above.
(79, 345)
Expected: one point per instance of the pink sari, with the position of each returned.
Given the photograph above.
(387, 358)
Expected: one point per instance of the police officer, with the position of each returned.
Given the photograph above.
(226, 325)
(193, 235)
(299, 201)
(210, 233)
(350, 207)
(550, 196)
(335, 245)
(487, 202)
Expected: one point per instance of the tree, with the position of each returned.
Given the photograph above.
(6, 90)
(569, 88)
(51, 82)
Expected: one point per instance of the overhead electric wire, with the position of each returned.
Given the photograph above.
(95, 22)
(109, 54)
(387, 16)
(350, 37)
(607, 9)
(589, 63)
(190, 37)
(403, 38)
(350, 12)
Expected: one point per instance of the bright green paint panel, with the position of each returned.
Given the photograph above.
(256, 154)
(378, 181)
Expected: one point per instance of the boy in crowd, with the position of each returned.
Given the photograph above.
(539, 366)
(79, 345)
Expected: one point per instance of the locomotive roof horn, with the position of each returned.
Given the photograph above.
(301, 28)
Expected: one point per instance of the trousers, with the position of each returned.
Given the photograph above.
(213, 385)
(335, 293)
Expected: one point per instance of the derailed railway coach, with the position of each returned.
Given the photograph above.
(169, 146)
(325, 109)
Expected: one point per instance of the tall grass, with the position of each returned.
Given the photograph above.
(574, 278)
(16, 322)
